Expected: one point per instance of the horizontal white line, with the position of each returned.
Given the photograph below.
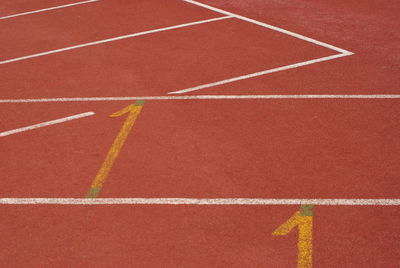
(113, 39)
(47, 9)
(299, 36)
(198, 201)
(45, 124)
(247, 76)
(209, 97)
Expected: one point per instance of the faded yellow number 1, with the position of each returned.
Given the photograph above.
(304, 220)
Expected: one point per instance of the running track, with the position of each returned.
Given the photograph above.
(249, 107)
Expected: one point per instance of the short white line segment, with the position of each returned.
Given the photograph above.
(47, 9)
(198, 201)
(45, 124)
(113, 39)
(247, 76)
(206, 97)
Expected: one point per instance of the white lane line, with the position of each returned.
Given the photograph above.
(47, 9)
(198, 201)
(113, 39)
(45, 124)
(247, 76)
(343, 52)
(209, 97)
(299, 36)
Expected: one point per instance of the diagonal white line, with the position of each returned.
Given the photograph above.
(247, 76)
(45, 124)
(47, 9)
(198, 201)
(113, 39)
(342, 53)
(299, 36)
(209, 97)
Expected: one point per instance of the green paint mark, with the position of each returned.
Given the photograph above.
(139, 103)
(93, 192)
(306, 210)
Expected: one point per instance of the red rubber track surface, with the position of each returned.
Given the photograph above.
(367, 28)
(12, 7)
(167, 236)
(200, 148)
(247, 148)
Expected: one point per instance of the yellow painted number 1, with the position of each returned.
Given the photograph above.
(304, 220)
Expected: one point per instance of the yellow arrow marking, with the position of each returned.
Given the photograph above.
(133, 110)
(304, 221)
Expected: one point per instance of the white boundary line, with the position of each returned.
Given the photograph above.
(206, 97)
(342, 52)
(198, 201)
(299, 36)
(247, 76)
(45, 124)
(113, 39)
(47, 9)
